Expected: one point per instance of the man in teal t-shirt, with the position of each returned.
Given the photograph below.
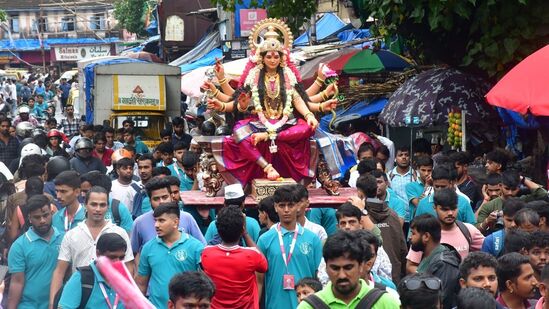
(170, 253)
(186, 170)
(32, 258)
(289, 266)
(112, 246)
(234, 195)
(443, 177)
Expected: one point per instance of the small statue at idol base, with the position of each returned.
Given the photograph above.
(213, 181)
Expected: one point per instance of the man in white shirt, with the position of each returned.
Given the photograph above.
(124, 188)
(78, 245)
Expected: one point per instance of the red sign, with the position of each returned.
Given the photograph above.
(250, 17)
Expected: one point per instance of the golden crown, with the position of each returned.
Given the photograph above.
(270, 40)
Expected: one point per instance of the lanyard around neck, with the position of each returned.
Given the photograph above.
(292, 245)
(106, 296)
(68, 223)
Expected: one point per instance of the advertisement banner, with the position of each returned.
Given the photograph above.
(75, 53)
(139, 92)
(250, 17)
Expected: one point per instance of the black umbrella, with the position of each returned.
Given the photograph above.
(432, 94)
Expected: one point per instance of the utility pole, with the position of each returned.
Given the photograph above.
(40, 37)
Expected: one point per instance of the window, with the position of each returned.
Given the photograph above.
(67, 24)
(42, 24)
(97, 22)
(14, 23)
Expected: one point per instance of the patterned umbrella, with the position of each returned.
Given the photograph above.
(355, 61)
(432, 94)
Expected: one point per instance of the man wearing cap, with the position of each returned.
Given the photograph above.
(24, 115)
(234, 195)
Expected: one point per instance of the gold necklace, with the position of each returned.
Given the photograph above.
(272, 86)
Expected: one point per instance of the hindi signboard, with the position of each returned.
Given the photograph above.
(76, 53)
(139, 92)
(250, 17)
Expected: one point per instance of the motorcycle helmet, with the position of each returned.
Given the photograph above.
(54, 133)
(83, 143)
(30, 149)
(223, 130)
(119, 154)
(24, 129)
(24, 109)
(56, 165)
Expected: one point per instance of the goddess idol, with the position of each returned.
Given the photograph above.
(272, 138)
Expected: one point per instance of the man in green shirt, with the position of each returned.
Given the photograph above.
(345, 255)
(511, 180)
(440, 260)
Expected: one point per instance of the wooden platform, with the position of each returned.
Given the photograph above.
(317, 198)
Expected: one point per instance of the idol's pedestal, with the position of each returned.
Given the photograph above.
(317, 199)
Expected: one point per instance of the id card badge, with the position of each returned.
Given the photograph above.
(288, 282)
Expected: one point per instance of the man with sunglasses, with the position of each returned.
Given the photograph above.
(441, 260)
(420, 291)
(346, 254)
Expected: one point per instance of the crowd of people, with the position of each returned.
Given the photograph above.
(418, 233)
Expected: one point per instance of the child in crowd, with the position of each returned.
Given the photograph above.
(306, 287)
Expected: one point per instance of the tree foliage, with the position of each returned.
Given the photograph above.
(3, 16)
(131, 14)
(294, 12)
(486, 35)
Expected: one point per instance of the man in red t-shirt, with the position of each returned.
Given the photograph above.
(100, 151)
(231, 267)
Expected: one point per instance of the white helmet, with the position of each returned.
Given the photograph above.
(30, 149)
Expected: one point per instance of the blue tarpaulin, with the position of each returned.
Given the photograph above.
(329, 24)
(353, 34)
(357, 111)
(206, 60)
(90, 81)
(34, 44)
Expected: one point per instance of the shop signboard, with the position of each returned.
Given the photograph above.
(76, 53)
(250, 17)
(139, 92)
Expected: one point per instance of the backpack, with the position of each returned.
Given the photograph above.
(115, 208)
(137, 209)
(87, 281)
(465, 231)
(445, 266)
(367, 302)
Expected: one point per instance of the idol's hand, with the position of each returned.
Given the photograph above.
(219, 70)
(329, 105)
(208, 86)
(244, 100)
(214, 104)
(331, 90)
(319, 72)
(312, 122)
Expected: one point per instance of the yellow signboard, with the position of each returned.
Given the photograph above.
(139, 92)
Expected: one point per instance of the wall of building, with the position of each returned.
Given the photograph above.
(86, 18)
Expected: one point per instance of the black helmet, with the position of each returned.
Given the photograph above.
(223, 130)
(83, 143)
(56, 165)
(208, 128)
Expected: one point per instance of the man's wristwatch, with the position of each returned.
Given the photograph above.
(364, 212)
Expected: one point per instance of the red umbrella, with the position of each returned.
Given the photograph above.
(526, 87)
